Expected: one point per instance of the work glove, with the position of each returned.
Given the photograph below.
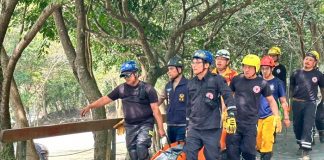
(230, 125)
(277, 124)
(120, 127)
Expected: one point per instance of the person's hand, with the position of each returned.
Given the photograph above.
(230, 123)
(84, 111)
(277, 124)
(287, 122)
(161, 132)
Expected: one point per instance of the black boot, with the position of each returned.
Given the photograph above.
(321, 136)
(266, 156)
(305, 154)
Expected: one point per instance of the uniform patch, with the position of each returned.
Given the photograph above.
(314, 79)
(278, 71)
(256, 89)
(272, 87)
(209, 95)
(181, 97)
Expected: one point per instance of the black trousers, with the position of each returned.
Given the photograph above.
(196, 139)
(319, 120)
(243, 142)
(303, 121)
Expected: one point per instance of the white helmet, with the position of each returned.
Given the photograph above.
(223, 53)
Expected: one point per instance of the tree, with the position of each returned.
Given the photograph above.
(6, 150)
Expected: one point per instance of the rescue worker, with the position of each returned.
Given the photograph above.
(204, 110)
(304, 85)
(279, 70)
(222, 63)
(140, 107)
(175, 93)
(266, 130)
(248, 88)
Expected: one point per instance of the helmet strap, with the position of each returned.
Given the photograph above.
(204, 62)
(179, 73)
(255, 73)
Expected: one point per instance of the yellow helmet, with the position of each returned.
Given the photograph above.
(252, 60)
(274, 51)
(314, 54)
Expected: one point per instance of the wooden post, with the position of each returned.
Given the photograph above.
(21, 150)
(113, 147)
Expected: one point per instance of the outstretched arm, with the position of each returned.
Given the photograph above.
(96, 104)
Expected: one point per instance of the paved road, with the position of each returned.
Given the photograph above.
(80, 147)
(286, 147)
(76, 146)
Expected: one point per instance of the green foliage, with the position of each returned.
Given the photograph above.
(251, 30)
(28, 11)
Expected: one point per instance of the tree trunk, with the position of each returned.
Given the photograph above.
(6, 149)
(7, 8)
(315, 37)
(83, 76)
(20, 114)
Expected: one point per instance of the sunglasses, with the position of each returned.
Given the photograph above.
(126, 75)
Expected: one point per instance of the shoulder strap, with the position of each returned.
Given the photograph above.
(142, 91)
(122, 91)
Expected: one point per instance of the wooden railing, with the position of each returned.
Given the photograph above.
(23, 134)
(28, 133)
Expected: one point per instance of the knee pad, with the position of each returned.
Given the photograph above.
(142, 152)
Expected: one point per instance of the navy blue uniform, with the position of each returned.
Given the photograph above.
(204, 113)
(176, 109)
(281, 73)
(304, 86)
(247, 93)
(138, 116)
(278, 91)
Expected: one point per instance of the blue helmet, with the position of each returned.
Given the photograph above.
(204, 55)
(128, 66)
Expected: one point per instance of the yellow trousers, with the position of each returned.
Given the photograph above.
(265, 137)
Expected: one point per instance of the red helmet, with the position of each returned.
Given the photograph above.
(267, 61)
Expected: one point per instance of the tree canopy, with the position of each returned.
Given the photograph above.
(62, 54)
